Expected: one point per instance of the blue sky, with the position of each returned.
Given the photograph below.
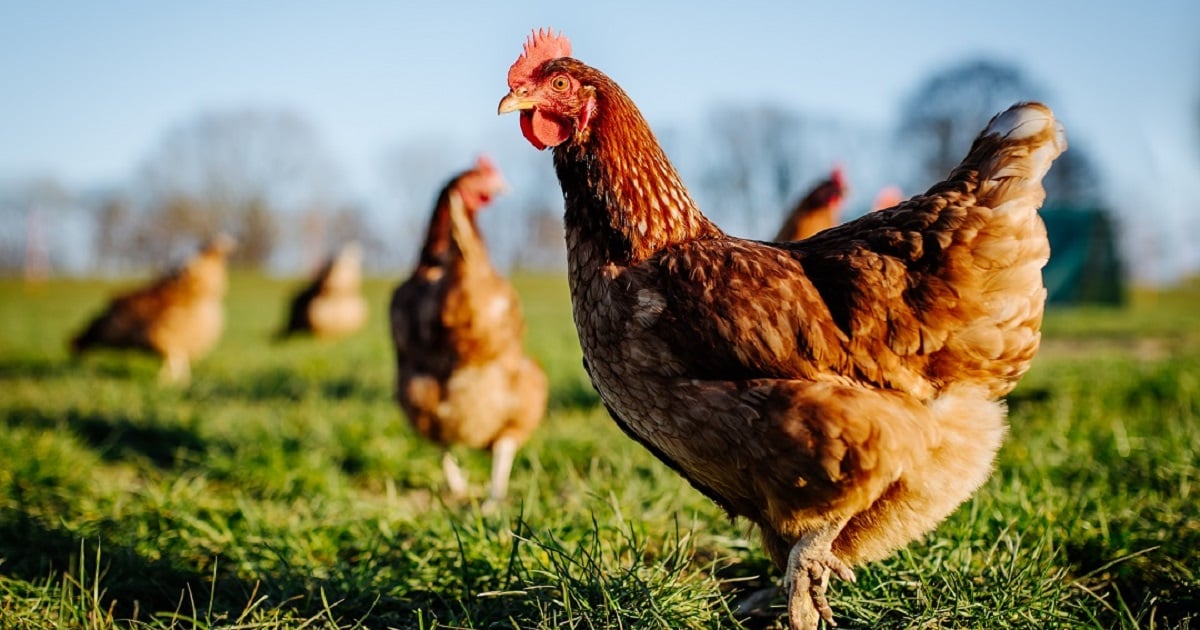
(90, 87)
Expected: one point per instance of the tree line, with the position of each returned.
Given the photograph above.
(265, 177)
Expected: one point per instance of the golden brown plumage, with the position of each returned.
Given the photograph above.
(819, 210)
(462, 375)
(841, 392)
(179, 316)
(332, 304)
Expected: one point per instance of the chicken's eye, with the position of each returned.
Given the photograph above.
(560, 83)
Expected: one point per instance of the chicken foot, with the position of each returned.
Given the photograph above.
(504, 450)
(810, 563)
(456, 479)
(503, 453)
(176, 369)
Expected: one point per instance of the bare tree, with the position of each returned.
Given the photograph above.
(543, 247)
(259, 231)
(112, 231)
(1074, 180)
(413, 173)
(945, 113)
(947, 110)
(29, 210)
(349, 222)
(758, 160)
(239, 169)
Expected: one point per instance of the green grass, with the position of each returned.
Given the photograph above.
(283, 489)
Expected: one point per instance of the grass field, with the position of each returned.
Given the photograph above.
(283, 489)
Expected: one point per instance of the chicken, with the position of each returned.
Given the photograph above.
(332, 304)
(462, 376)
(887, 197)
(820, 209)
(179, 316)
(840, 392)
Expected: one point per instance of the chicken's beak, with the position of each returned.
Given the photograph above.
(513, 103)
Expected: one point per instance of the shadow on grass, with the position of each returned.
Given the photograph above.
(105, 364)
(35, 367)
(574, 394)
(135, 587)
(114, 437)
(1158, 587)
(752, 587)
(281, 384)
(375, 581)
(130, 582)
(1023, 398)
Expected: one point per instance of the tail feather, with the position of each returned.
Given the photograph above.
(97, 333)
(79, 344)
(1006, 255)
(1013, 154)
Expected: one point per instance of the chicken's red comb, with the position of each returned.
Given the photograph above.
(839, 175)
(540, 47)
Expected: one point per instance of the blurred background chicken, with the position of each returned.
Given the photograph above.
(887, 197)
(462, 376)
(331, 305)
(179, 316)
(819, 210)
(841, 392)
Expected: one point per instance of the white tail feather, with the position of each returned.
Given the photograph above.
(1022, 121)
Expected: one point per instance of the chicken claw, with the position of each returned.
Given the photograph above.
(810, 563)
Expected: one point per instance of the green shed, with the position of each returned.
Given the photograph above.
(1085, 266)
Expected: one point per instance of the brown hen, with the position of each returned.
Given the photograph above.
(179, 316)
(819, 210)
(461, 374)
(331, 305)
(841, 392)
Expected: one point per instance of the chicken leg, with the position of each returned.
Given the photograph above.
(809, 565)
(175, 370)
(503, 452)
(456, 479)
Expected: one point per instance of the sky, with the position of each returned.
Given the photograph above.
(87, 89)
